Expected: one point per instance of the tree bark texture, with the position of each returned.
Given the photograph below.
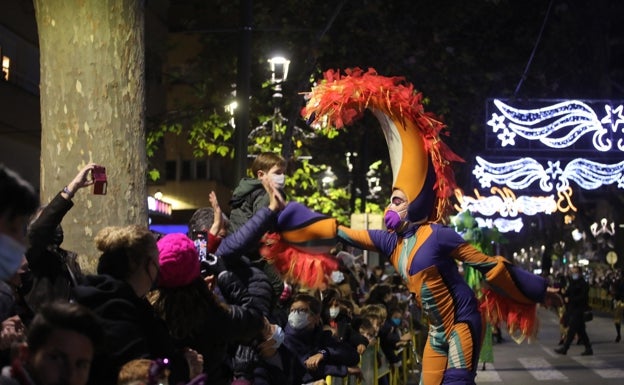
(92, 110)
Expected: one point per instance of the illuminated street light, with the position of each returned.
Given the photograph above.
(279, 69)
(230, 109)
(327, 180)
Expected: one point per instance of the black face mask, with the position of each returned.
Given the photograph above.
(58, 236)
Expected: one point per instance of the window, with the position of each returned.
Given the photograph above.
(6, 67)
(171, 170)
(201, 169)
(185, 172)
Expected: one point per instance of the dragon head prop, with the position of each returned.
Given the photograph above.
(420, 161)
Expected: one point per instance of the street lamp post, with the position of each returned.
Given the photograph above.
(243, 92)
(279, 72)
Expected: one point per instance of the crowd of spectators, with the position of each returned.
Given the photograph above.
(160, 309)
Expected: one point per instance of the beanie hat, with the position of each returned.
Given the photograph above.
(178, 260)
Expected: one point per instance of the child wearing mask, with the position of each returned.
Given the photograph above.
(310, 353)
(249, 197)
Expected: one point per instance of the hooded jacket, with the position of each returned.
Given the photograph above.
(248, 197)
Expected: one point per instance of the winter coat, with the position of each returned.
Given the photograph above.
(388, 339)
(577, 294)
(132, 329)
(241, 322)
(248, 197)
(247, 292)
(246, 238)
(54, 271)
(299, 345)
(346, 333)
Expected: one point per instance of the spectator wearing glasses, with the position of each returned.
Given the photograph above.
(310, 353)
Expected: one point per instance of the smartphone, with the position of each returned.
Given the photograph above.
(99, 180)
(200, 238)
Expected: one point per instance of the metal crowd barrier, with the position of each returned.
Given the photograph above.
(374, 365)
(600, 299)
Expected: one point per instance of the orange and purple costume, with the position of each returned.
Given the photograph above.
(423, 252)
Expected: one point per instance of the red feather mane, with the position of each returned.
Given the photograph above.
(339, 100)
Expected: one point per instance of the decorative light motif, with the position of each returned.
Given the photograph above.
(505, 203)
(605, 228)
(559, 125)
(521, 173)
(502, 225)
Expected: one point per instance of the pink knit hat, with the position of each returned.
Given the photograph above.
(178, 260)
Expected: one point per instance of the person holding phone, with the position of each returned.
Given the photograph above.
(53, 269)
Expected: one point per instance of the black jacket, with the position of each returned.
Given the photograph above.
(299, 345)
(247, 293)
(54, 270)
(239, 243)
(132, 329)
(577, 295)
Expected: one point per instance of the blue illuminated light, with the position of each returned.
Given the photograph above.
(501, 224)
(559, 125)
(521, 173)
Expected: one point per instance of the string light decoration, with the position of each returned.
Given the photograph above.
(521, 173)
(505, 203)
(605, 228)
(502, 225)
(581, 128)
(560, 125)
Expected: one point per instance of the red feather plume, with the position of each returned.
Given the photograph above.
(309, 270)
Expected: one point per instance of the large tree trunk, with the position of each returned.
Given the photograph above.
(92, 110)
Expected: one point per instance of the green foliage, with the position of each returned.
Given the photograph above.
(210, 135)
(153, 175)
(155, 136)
(371, 207)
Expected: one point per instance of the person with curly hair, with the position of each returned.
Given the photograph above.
(127, 270)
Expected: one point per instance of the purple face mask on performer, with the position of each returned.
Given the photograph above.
(396, 213)
(393, 219)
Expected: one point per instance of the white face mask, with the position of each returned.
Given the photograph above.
(298, 320)
(11, 256)
(334, 311)
(337, 276)
(279, 180)
(278, 337)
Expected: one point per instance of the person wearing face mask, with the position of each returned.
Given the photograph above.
(418, 244)
(127, 270)
(249, 197)
(53, 270)
(19, 201)
(240, 320)
(337, 316)
(576, 299)
(310, 353)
